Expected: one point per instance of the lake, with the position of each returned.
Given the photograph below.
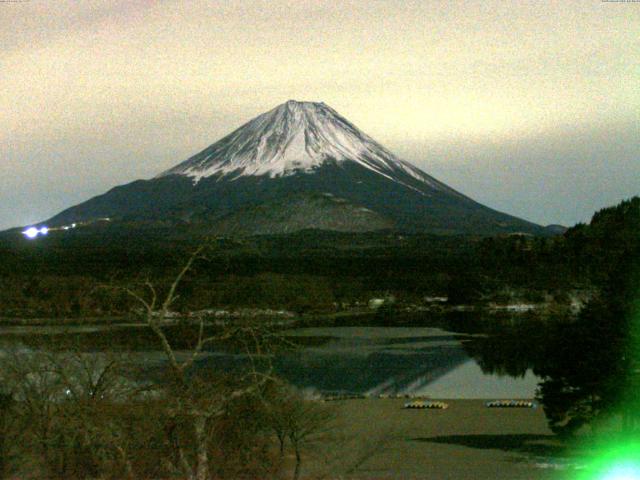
(426, 361)
(419, 361)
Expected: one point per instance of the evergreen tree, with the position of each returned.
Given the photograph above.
(591, 368)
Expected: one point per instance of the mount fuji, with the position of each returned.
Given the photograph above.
(299, 166)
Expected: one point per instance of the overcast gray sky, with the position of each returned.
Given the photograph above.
(530, 107)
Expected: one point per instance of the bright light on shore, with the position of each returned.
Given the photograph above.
(33, 232)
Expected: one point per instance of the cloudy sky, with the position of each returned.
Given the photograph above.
(531, 107)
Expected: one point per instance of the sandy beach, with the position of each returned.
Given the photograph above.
(378, 439)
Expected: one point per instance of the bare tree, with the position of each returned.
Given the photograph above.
(61, 401)
(83, 417)
(6, 418)
(197, 399)
(92, 383)
(303, 422)
(35, 389)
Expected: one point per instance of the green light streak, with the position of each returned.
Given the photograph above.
(616, 456)
(619, 461)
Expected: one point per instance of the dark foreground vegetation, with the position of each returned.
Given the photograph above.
(75, 414)
(81, 416)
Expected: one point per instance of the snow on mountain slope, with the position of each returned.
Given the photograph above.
(296, 137)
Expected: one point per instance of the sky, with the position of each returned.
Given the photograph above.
(530, 107)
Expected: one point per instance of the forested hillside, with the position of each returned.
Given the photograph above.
(62, 274)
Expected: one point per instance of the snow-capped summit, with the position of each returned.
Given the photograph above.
(299, 166)
(294, 137)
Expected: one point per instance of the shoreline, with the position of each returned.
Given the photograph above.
(400, 315)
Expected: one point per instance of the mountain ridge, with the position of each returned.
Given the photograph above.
(298, 148)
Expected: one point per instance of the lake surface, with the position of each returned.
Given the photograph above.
(368, 360)
(395, 360)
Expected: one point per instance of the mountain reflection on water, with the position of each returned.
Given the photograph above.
(463, 356)
(395, 360)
